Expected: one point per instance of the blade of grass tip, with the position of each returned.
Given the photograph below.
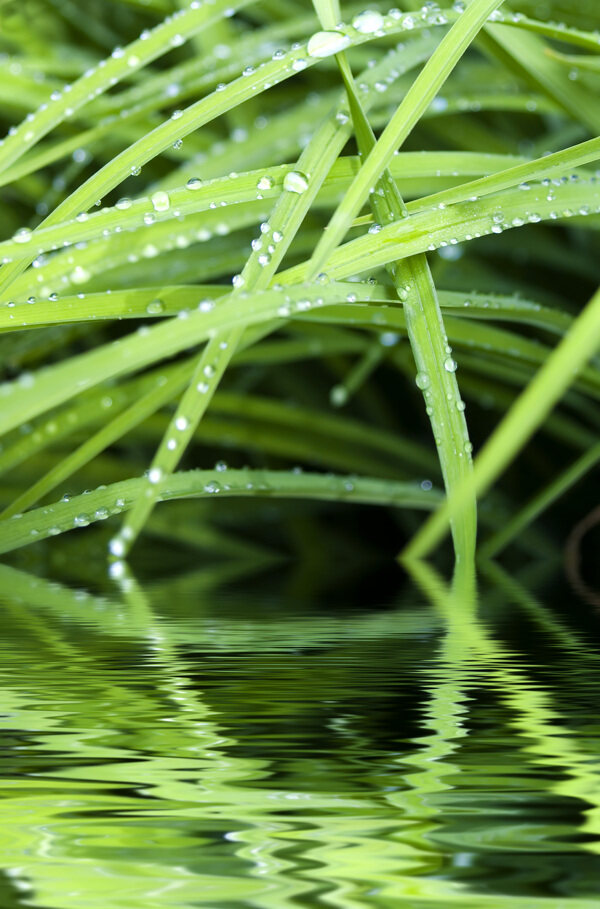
(521, 421)
(435, 365)
(415, 103)
(539, 503)
(300, 189)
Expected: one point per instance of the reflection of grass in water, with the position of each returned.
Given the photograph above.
(223, 118)
(369, 847)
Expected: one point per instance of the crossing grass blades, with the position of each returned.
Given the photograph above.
(353, 248)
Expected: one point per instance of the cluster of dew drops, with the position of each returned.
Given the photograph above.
(321, 44)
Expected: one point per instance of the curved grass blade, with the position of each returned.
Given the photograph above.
(82, 510)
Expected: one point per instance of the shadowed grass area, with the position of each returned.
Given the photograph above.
(223, 224)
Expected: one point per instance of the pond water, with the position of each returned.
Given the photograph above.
(179, 743)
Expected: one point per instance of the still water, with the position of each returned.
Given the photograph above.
(183, 743)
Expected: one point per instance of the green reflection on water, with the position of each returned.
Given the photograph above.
(171, 746)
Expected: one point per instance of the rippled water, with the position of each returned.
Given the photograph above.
(172, 744)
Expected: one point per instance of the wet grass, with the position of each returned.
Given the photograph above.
(298, 240)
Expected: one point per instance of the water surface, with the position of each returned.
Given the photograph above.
(177, 744)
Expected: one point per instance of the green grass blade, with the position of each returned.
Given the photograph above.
(80, 511)
(521, 421)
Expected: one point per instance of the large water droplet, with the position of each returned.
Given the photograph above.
(22, 236)
(160, 201)
(324, 44)
(368, 22)
(295, 182)
(450, 364)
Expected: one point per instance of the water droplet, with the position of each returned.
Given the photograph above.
(155, 475)
(194, 183)
(450, 365)
(265, 182)
(22, 236)
(368, 22)
(295, 182)
(160, 201)
(324, 44)
(155, 307)
(221, 466)
(338, 395)
(422, 380)
(212, 488)
(181, 423)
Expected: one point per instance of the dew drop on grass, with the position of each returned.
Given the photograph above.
(181, 423)
(450, 364)
(338, 395)
(155, 475)
(324, 44)
(422, 380)
(123, 204)
(265, 182)
(212, 488)
(160, 201)
(194, 183)
(155, 307)
(368, 22)
(295, 182)
(22, 236)
(221, 466)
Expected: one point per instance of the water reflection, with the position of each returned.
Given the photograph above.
(170, 745)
